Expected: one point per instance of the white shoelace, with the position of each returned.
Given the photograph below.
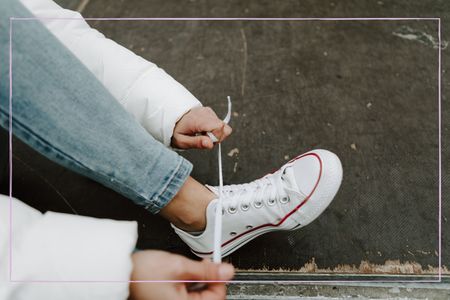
(233, 188)
(217, 253)
(265, 191)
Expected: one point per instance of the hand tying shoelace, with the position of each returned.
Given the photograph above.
(217, 254)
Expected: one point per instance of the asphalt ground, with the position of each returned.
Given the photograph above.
(366, 90)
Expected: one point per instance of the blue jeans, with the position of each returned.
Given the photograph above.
(61, 110)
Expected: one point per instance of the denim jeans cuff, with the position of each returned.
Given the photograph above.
(177, 178)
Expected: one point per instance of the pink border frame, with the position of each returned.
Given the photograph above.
(238, 19)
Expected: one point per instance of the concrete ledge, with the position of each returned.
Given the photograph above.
(363, 290)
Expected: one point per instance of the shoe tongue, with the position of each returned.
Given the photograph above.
(289, 183)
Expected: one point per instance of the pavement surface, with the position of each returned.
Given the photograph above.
(366, 90)
(256, 291)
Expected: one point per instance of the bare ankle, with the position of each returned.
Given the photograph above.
(187, 210)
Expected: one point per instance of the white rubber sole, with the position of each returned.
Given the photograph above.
(235, 245)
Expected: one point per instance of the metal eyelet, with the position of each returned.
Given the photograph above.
(258, 204)
(233, 233)
(232, 209)
(284, 200)
(249, 226)
(271, 202)
(245, 207)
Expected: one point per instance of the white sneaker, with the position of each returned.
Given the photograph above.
(287, 199)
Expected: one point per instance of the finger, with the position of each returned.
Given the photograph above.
(186, 142)
(210, 125)
(223, 132)
(226, 132)
(205, 270)
(219, 131)
(208, 121)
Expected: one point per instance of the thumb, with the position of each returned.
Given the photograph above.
(186, 141)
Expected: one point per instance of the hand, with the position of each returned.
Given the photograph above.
(160, 265)
(199, 120)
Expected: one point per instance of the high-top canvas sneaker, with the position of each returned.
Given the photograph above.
(287, 199)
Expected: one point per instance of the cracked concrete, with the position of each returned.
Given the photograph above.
(83, 3)
(244, 63)
(323, 291)
(408, 33)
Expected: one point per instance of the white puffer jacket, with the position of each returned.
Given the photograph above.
(60, 247)
(152, 96)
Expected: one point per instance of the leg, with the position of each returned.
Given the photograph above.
(182, 213)
(62, 111)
